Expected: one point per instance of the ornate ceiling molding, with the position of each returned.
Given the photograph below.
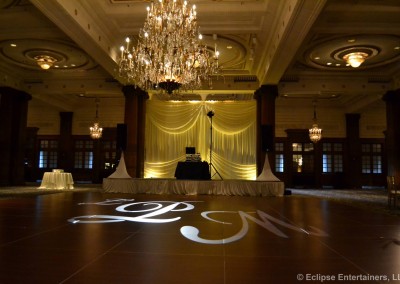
(22, 53)
(5, 4)
(328, 54)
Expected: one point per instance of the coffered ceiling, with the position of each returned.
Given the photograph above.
(297, 44)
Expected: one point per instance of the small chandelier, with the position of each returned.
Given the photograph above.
(45, 61)
(355, 59)
(95, 130)
(315, 132)
(169, 53)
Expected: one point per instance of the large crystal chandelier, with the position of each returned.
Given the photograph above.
(95, 130)
(315, 132)
(170, 53)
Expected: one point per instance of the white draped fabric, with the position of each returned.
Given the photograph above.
(193, 187)
(173, 126)
(266, 174)
(57, 180)
(120, 171)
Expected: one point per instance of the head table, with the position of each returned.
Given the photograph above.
(57, 180)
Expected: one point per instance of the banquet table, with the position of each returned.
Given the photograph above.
(56, 180)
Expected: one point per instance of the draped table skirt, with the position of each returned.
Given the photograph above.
(55, 180)
(193, 187)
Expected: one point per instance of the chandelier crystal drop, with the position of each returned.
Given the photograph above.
(315, 132)
(96, 131)
(170, 53)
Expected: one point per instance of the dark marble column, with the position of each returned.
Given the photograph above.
(31, 157)
(13, 124)
(65, 146)
(392, 99)
(135, 114)
(353, 157)
(265, 97)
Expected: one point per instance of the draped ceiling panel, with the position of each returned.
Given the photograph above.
(173, 126)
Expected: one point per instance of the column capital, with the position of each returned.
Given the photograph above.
(17, 93)
(354, 116)
(133, 90)
(270, 91)
(392, 96)
(66, 114)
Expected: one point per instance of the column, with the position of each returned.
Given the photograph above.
(265, 97)
(392, 99)
(353, 157)
(31, 159)
(13, 124)
(135, 114)
(65, 146)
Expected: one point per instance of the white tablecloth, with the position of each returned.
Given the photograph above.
(53, 180)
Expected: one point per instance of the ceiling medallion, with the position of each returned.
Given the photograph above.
(44, 58)
(355, 55)
(5, 4)
(330, 52)
(27, 53)
(170, 54)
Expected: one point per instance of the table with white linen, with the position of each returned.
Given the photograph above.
(56, 180)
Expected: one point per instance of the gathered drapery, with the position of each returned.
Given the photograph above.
(173, 126)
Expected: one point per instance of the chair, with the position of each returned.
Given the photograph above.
(393, 191)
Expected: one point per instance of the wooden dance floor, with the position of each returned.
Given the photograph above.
(194, 187)
(101, 238)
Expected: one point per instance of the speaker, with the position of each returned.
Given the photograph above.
(267, 138)
(122, 131)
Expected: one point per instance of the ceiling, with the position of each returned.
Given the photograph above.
(295, 44)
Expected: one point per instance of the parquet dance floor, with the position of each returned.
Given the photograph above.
(95, 237)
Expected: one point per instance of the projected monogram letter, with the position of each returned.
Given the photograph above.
(192, 233)
(148, 211)
(154, 208)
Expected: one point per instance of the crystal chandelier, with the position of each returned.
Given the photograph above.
(355, 59)
(95, 130)
(315, 132)
(45, 61)
(170, 53)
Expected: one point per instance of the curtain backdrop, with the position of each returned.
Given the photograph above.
(173, 126)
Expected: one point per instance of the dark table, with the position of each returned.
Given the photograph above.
(193, 170)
